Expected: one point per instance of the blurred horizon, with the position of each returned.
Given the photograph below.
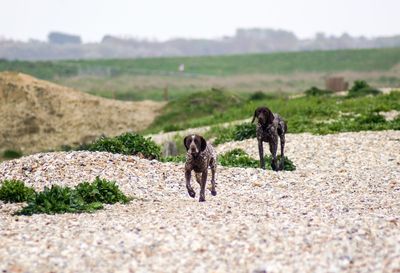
(157, 20)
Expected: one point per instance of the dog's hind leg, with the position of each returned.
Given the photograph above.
(282, 161)
(198, 178)
(213, 169)
(261, 154)
(273, 147)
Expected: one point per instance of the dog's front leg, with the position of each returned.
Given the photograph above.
(203, 186)
(188, 174)
(261, 154)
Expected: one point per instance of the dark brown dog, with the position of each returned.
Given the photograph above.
(199, 156)
(270, 126)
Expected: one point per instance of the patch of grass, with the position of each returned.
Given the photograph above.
(11, 154)
(239, 158)
(14, 191)
(176, 159)
(244, 131)
(85, 197)
(222, 134)
(128, 144)
(232, 133)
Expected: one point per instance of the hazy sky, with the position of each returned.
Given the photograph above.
(163, 19)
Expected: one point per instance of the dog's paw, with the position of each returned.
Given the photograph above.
(192, 193)
(281, 165)
(213, 193)
(274, 166)
(202, 199)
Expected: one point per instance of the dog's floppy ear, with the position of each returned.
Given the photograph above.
(256, 112)
(270, 116)
(203, 145)
(185, 142)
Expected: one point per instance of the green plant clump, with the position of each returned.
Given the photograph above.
(244, 131)
(14, 191)
(362, 88)
(85, 197)
(315, 91)
(128, 144)
(11, 154)
(101, 190)
(58, 199)
(237, 132)
(239, 158)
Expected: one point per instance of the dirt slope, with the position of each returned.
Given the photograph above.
(38, 115)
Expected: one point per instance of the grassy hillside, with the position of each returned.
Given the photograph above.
(275, 63)
(320, 114)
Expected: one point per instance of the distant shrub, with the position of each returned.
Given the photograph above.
(362, 88)
(315, 91)
(128, 144)
(14, 191)
(137, 144)
(11, 154)
(106, 144)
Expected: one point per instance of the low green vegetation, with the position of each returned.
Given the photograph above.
(233, 133)
(128, 144)
(178, 113)
(14, 191)
(11, 154)
(176, 159)
(85, 197)
(315, 91)
(239, 158)
(314, 114)
(362, 88)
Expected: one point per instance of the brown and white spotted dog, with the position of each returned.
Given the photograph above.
(200, 155)
(270, 127)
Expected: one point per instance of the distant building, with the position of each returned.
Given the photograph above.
(63, 38)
